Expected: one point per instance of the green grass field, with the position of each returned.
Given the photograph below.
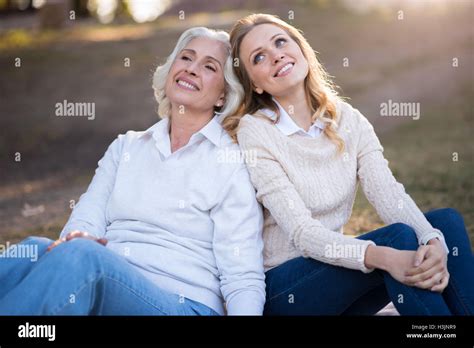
(422, 156)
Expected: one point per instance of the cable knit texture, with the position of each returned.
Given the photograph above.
(308, 189)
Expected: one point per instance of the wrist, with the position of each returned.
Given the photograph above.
(378, 257)
(434, 241)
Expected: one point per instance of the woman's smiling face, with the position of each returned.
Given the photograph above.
(273, 60)
(196, 78)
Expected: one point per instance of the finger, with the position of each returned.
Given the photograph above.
(55, 244)
(429, 283)
(426, 275)
(441, 286)
(420, 255)
(425, 266)
(102, 241)
(433, 260)
(75, 234)
(80, 234)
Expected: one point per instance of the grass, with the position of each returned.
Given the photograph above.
(422, 156)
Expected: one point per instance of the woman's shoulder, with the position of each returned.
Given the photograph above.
(259, 118)
(345, 111)
(257, 123)
(129, 137)
(133, 136)
(257, 128)
(350, 117)
(128, 140)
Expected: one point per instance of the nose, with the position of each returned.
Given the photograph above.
(278, 57)
(192, 69)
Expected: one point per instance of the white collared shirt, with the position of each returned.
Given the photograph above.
(187, 220)
(288, 127)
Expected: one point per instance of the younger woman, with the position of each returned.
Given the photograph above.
(311, 151)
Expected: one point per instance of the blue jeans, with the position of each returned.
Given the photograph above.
(304, 286)
(82, 277)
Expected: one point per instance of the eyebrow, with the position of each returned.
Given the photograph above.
(208, 57)
(257, 49)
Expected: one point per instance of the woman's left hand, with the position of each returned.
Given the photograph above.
(76, 234)
(430, 270)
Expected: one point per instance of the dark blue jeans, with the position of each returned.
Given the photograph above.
(304, 286)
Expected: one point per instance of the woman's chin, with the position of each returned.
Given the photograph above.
(183, 101)
(288, 88)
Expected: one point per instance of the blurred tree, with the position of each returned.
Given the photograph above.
(16, 5)
(80, 6)
(54, 13)
(4, 5)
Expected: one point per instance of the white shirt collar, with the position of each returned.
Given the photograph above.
(288, 127)
(212, 131)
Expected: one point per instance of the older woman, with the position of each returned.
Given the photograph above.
(166, 227)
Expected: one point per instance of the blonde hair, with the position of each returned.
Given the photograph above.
(319, 89)
(233, 89)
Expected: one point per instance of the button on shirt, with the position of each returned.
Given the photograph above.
(188, 220)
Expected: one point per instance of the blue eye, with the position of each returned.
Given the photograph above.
(258, 58)
(279, 42)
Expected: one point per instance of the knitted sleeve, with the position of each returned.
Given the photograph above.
(277, 194)
(382, 190)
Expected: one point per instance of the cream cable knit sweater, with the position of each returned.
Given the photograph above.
(308, 190)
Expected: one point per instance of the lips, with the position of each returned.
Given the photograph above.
(187, 84)
(284, 69)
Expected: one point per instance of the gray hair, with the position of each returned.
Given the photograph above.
(234, 91)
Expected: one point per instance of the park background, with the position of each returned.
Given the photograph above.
(105, 51)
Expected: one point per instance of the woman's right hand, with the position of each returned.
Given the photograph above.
(401, 261)
(396, 262)
(76, 234)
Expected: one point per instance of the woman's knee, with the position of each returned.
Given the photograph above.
(39, 245)
(35, 240)
(403, 237)
(80, 254)
(444, 216)
(450, 222)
